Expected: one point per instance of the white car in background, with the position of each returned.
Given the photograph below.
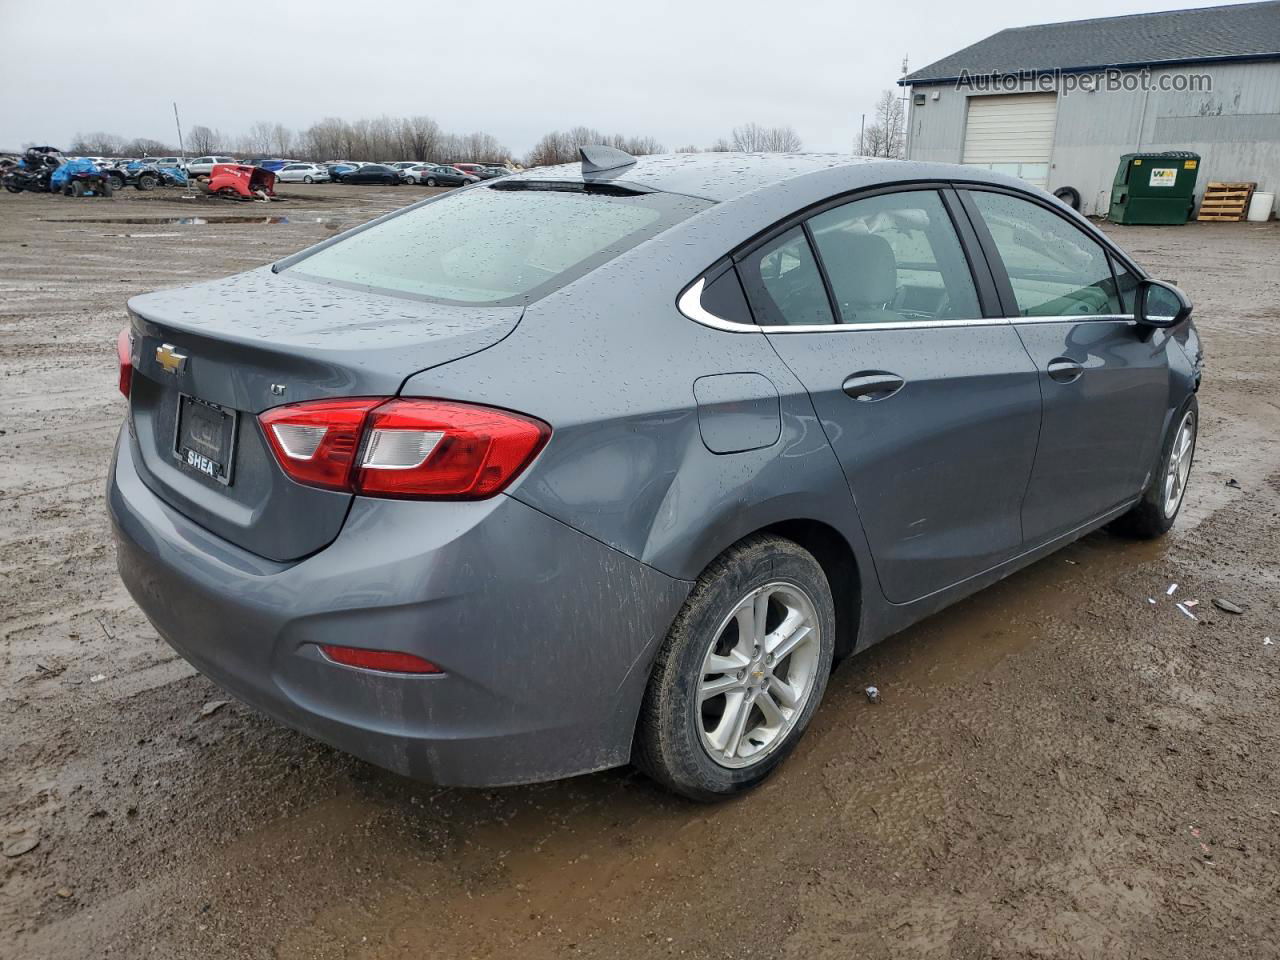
(416, 172)
(303, 173)
(203, 166)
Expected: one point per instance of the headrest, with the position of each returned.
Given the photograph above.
(862, 267)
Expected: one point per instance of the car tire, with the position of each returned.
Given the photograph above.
(1153, 515)
(147, 181)
(117, 181)
(431, 181)
(1068, 195)
(308, 179)
(711, 745)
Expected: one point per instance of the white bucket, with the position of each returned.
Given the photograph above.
(1260, 207)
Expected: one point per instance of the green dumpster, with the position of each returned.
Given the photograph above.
(1155, 187)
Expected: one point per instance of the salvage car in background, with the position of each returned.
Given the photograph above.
(525, 480)
(303, 173)
(239, 181)
(339, 170)
(438, 175)
(373, 173)
(203, 166)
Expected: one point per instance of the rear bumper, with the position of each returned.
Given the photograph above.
(545, 635)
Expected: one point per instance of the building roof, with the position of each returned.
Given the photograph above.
(1246, 31)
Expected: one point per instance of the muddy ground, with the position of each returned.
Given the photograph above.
(1058, 768)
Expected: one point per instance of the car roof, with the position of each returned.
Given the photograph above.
(726, 176)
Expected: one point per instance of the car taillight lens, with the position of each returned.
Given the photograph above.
(427, 449)
(124, 354)
(388, 661)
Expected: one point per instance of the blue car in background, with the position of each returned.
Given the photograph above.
(267, 163)
(339, 170)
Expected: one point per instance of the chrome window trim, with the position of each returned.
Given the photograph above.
(885, 325)
(1079, 318)
(690, 305)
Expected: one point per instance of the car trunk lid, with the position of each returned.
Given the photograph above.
(238, 346)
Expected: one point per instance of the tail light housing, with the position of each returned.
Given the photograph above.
(403, 448)
(124, 356)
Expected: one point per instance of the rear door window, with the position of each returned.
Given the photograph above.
(495, 245)
(894, 258)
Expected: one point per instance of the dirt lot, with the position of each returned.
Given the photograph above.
(1058, 768)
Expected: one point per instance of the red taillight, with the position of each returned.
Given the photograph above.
(124, 354)
(388, 661)
(316, 442)
(431, 449)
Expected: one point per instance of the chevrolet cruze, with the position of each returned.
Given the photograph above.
(610, 462)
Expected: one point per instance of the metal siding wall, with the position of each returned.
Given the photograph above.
(1232, 128)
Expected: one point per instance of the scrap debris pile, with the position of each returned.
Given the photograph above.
(47, 170)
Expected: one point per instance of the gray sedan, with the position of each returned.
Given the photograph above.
(610, 462)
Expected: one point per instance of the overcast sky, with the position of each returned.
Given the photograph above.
(681, 72)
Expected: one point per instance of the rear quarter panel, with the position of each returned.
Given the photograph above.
(611, 364)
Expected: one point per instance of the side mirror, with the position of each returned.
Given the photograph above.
(1161, 304)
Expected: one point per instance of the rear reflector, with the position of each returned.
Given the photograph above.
(418, 449)
(124, 356)
(387, 661)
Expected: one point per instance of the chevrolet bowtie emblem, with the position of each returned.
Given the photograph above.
(169, 358)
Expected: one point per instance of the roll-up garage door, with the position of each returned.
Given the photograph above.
(1012, 134)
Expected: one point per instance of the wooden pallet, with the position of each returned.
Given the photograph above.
(1227, 202)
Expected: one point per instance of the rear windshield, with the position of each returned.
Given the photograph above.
(496, 245)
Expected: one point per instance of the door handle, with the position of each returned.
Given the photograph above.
(1064, 369)
(870, 385)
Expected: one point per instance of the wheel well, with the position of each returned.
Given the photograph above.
(833, 553)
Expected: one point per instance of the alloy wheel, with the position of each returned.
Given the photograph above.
(758, 674)
(1179, 467)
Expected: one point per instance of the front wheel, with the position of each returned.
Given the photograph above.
(308, 179)
(147, 181)
(741, 672)
(1153, 515)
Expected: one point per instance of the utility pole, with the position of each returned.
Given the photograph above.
(182, 151)
(906, 106)
(862, 137)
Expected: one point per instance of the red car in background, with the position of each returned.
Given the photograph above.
(242, 181)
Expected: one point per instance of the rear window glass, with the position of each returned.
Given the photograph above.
(490, 245)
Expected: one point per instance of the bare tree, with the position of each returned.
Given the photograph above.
(258, 139)
(886, 136)
(202, 140)
(97, 144)
(562, 147)
(753, 138)
(721, 145)
(281, 140)
(143, 147)
(419, 137)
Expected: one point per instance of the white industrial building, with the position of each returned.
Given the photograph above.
(1058, 104)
